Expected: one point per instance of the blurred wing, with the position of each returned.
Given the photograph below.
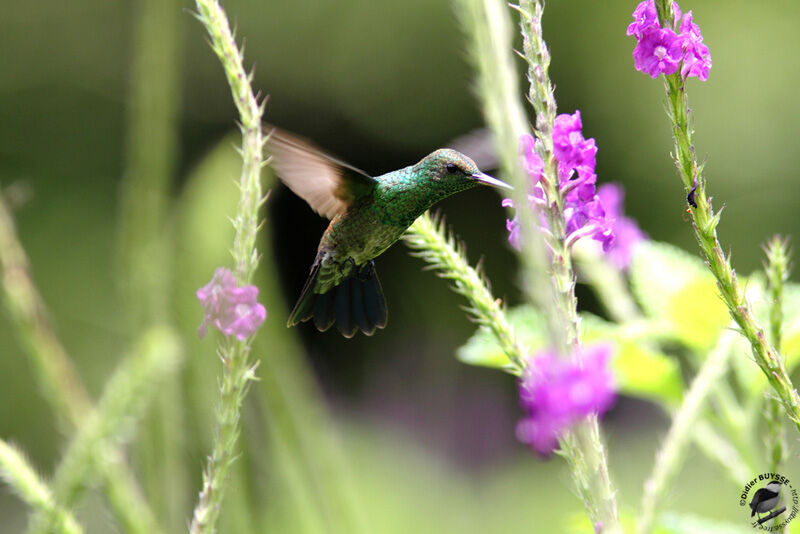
(477, 145)
(328, 185)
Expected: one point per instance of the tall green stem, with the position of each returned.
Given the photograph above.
(58, 378)
(549, 284)
(237, 370)
(144, 237)
(428, 238)
(704, 222)
(135, 382)
(672, 449)
(22, 478)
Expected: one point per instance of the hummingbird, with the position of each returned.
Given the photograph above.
(368, 214)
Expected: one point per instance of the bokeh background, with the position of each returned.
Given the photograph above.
(427, 441)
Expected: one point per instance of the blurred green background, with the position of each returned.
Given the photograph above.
(428, 441)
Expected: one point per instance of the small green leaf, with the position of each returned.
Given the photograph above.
(640, 370)
(790, 345)
(676, 287)
(482, 348)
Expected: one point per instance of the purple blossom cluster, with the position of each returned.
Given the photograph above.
(583, 211)
(556, 393)
(662, 50)
(231, 309)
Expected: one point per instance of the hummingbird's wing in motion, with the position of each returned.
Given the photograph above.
(329, 185)
(477, 145)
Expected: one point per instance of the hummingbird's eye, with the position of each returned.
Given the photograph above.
(452, 168)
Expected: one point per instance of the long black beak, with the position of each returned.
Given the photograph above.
(488, 180)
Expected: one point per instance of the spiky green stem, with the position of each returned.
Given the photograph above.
(550, 285)
(429, 240)
(144, 238)
(57, 377)
(583, 447)
(674, 445)
(704, 222)
(237, 370)
(124, 399)
(488, 30)
(22, 478)
(777, 270)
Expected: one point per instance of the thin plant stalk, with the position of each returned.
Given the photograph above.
(777, 270)
(583, 448)
(704, 223)
(126, 395)
(144, 239)
(22, 478)
(429, 240)
(58, 378)
(237, 369)
(673, 448)
(608, 284)
(487, 25)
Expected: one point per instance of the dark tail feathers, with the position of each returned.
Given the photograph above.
(357, 303)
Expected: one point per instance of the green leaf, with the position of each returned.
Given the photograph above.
(674, 286)
(790, 343)
(482, 348)
(639, 369)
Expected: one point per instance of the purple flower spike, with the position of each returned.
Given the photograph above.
(231, 309)
(556, 393)
(583, 212)
(660, 50)
(626, 232)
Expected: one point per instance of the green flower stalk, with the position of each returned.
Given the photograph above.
(671, 453)
(487, 27)
(583, 448)
(22, 478)
(429, 240)
(237, 369)
(777, 270)
(124, 399)
(58, 379)
(543, 101)
(704, 222)
(487, 24)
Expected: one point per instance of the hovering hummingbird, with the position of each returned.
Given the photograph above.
(368, 215)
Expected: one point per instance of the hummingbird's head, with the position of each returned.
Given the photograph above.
(454, 170)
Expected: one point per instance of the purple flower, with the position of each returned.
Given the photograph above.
(556, 393)
(645, 16)
(583, 212)
(658, 52)
(696, 57)
(231, 309)
(570, 148)
(531, 161)
(626, 232)
(661, 50)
